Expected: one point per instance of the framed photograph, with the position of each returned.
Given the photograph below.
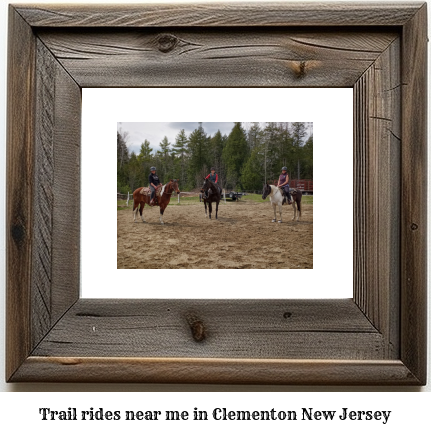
(243, 236)
(376, 337)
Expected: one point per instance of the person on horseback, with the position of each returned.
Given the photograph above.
(283, 184)
(212, 177)
(154, 183)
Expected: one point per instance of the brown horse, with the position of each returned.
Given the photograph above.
(139, 199)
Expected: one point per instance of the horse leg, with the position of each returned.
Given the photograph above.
(217, 209)
(210, 209)
(142, 209)
(279, 209)
(294, 209)
(205, 203)
(135, 210)
(162, 210)
(298, 204)
(275, 213)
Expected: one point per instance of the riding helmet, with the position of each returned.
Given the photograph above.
(153, 168)
(284, 168)
(212, 168)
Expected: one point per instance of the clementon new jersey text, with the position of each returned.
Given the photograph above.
(217, 414)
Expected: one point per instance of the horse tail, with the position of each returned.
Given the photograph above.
(134, 200)
(298, 202)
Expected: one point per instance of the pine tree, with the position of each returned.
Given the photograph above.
(235, 154)
(145, 160)
(180, 152)
(307, 159)
(271, 151)
(135, 173)
(122, 150)
(254, 136)
(122, 161)
(166, 169)
(198, 151)
(217, 143)
(299, 133)
(252, 177)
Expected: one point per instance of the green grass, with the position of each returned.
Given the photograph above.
(184, 200)
(252, 198)
(194, 200)
(122, 205)
(306, 199)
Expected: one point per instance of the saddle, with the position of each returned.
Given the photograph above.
(292, 193)
(146, 191)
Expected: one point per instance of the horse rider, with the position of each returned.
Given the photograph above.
(283, 184)
(154, 182)
(212, 177)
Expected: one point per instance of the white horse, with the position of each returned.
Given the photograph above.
(276, 197)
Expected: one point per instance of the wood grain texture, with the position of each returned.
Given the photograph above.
(43, 194)
(19, 221)
(220, 15)
(370, 340)
(414, 192)
(268, 329)
(215, 371)
(377, 193)
(66, 208)
(55, 268)
(228, 58)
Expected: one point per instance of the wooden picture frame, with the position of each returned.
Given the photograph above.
(378, 337)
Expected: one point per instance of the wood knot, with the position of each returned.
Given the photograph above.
(197, 327)
(167, 42)
(287, 314)
(18, 233)
(414, 226)
(302, 68)
(299, 68)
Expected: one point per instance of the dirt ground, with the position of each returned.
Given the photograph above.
(242, 237)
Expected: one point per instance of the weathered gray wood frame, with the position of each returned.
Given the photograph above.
(378, 337)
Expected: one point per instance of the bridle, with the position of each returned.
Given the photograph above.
(268, 187)
(173, 190)
(209, 185)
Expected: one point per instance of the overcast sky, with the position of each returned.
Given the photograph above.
(155, 132)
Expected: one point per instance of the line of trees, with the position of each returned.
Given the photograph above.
(245, 159)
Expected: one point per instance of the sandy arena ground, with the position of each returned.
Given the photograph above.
(242, 237)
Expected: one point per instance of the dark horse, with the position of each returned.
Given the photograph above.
(139, 199)
(210, 193)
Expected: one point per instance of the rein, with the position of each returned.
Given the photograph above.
(166, 193)
(211, 186)
(274, 193)
(278, 190)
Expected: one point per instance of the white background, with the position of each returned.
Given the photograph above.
(330, 110)
(21, 409)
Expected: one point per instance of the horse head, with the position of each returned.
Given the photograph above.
(266, 190)
(205, 185)
(174, 185)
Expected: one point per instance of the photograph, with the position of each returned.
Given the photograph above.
(230, 195)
